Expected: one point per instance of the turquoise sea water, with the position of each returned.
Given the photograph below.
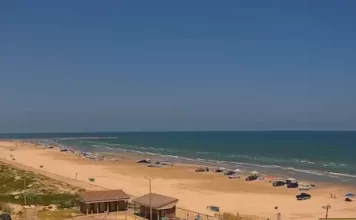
(325, 155)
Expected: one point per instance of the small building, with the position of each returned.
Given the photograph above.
(92, 202)
(162, 206)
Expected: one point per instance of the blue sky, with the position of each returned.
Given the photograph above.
(177, 65)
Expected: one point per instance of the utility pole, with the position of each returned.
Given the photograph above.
(150, 195)
(150, 179)
(327, 207)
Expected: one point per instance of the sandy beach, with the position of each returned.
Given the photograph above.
(195, 191)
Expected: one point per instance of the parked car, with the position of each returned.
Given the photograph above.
(305, 187)
(278, 183)
(202, 169)
(303, 196)
(220, 170)
(5, 216)
(251, 178)
(230, 172)
(348, 199)
(234, 176)
(293, 185)
(290, 180)
(164, 163)
(147, 160)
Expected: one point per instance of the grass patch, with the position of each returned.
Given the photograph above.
(58, 214)
(15, 184)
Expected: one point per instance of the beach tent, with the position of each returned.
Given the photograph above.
(350, 195)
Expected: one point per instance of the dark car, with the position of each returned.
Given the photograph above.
(228, 173)
(251, 178)
(303, 196)
(293, 185)
(5, 217)
(219, 170)
(202, 169)
(279, 183)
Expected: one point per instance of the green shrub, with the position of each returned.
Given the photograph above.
(69, 203)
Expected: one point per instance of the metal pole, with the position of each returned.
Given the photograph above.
(327, 212)
(150, 198)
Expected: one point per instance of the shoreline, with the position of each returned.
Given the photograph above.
(194, 190)
(329, 172)
(270, 170)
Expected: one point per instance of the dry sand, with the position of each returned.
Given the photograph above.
(195, 191)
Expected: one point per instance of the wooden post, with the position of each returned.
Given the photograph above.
(97, 207)
(86, 207)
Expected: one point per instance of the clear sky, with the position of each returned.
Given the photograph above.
(177, 65)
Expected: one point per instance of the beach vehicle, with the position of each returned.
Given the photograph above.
(230, 172)
(164, 163)
(348, 199)
(234, 176)
(220, 170)
(154, 165)
(147, 160)
(5, 216)
(251, 178)
(305, 187)
(303, 196)
(202, 169)
(213, 208)
(293, 185)
(290, 180)
(278, 183)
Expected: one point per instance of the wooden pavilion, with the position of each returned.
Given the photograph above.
(92, 202)
(162, 206)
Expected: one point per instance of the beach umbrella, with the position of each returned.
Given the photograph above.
(291, 179)
(255, 172)
(350, 195)
(222, 168)
(237, 170)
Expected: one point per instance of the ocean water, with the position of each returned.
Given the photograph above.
(316, 155)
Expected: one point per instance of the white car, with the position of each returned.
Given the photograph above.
(234, 176)
(305, 187)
